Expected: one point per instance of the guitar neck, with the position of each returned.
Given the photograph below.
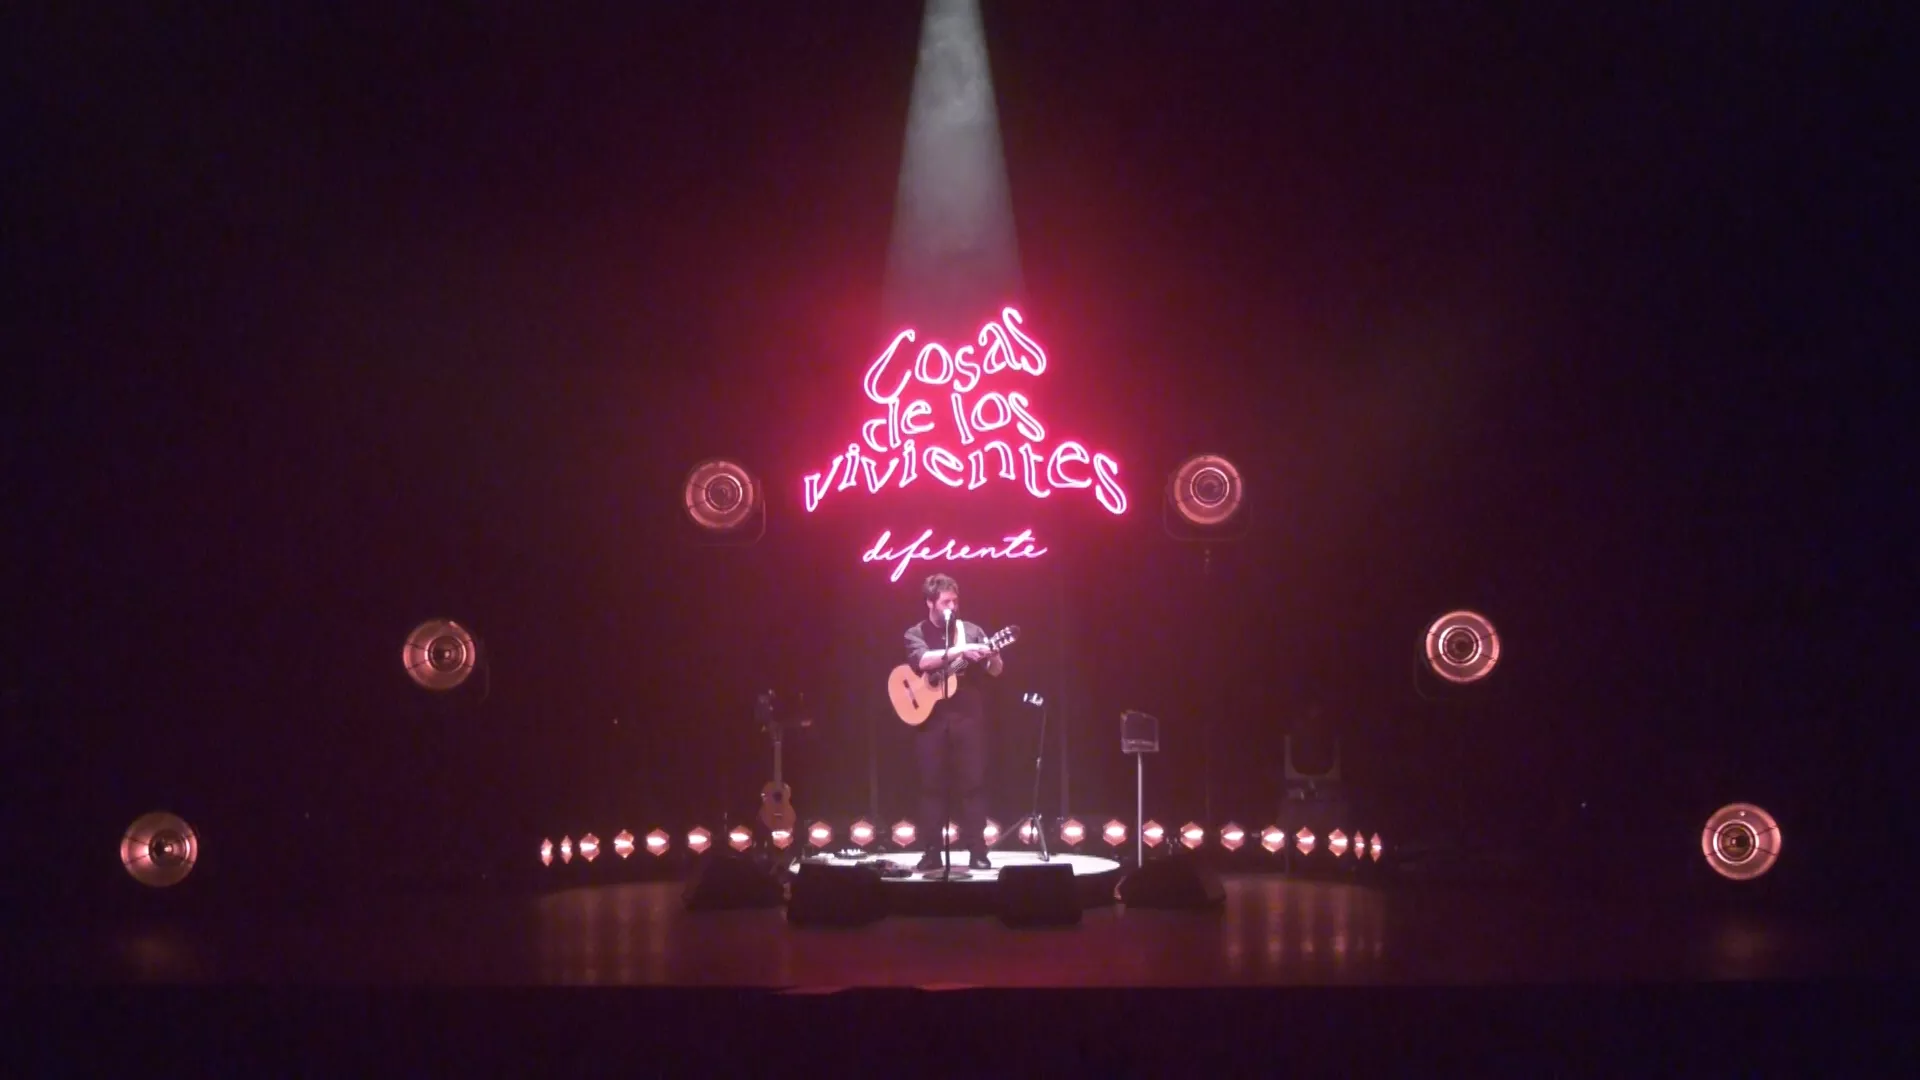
(997, 642)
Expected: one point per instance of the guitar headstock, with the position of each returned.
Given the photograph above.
(1005, 637)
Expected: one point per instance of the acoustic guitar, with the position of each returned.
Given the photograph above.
(914, 693)
(776, 797)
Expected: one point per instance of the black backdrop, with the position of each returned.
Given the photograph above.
(336, 324)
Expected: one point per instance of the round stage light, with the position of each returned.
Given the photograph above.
(990, 832)
(1072, 833)
(903, 833)
(440, 654)
(1115, 833)
(1153, 833)
(1375, 847)
(1462, 647)
(1192, 835)
(720, 495)
(781, 838)
(951, 833)
(699, 840)
(566, 849)
(1232, 836)
(546, 853)
(1304, 840)
(159, 850)
(819, 834)
(658, 842)
(1206, 490)
(1337, 843)
(739, 838)
(1029, 832)
(1741, 841)
(623, 843)
(862, 833)
(1273, 838)
(589, 847)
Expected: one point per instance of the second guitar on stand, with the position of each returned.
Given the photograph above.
(776, 797)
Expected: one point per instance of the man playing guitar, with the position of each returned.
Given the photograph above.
(957, 726)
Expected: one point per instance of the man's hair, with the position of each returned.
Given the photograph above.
(937, 584)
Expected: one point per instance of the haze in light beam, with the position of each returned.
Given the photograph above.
(954, 254)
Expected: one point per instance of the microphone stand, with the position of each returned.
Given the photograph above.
(946, 871)
(1039, 825)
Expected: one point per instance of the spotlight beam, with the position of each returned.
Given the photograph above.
(954, 251)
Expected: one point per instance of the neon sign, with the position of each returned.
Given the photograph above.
(984, 431)
(1011, 441)
(1018, 546)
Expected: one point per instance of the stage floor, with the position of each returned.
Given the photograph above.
(1272, 931)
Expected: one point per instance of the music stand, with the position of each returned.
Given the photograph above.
(1139, 736)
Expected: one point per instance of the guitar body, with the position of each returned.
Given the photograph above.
(776, 807)
(914, 693)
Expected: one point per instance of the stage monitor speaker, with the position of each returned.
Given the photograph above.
(1180, 883)
(835, 896)
(1039, 895)
(729, 882)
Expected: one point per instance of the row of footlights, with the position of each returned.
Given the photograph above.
(862, 834)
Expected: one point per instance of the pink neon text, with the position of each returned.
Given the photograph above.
(1018, 546)
(893, 449)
